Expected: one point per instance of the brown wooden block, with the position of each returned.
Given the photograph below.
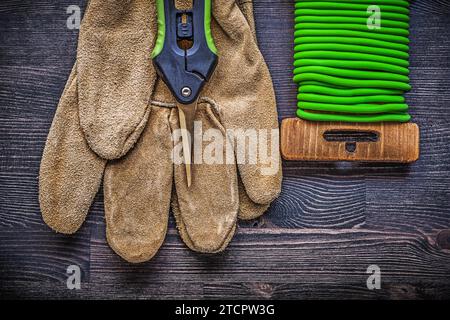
(388, 142)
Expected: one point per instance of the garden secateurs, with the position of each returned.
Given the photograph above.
(185, 57)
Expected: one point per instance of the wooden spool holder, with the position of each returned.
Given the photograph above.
(306, 141)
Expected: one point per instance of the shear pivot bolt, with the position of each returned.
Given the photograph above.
(186, 92)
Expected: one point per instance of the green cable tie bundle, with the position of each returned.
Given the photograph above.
(347, 71)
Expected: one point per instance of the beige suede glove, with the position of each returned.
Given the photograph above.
(106, 105)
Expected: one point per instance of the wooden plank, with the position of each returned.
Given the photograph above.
(318, 201)
(39, 254)
(284, 256)
(101, 290)
(220, 290)
(35, 33)
(30, 93)
(331, 290)
(19, 204)
(414, 202)
(290, 264)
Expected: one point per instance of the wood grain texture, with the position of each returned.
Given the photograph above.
(306, 141)
(330, 223)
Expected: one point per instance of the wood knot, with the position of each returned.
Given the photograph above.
(264, 290)
(443, 239)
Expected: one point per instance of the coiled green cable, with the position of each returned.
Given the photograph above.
(331, 14)
(351, 33)
(347, 71)
(351, 48)
(401, 3)
(349, 56)
(311, 97)
(353, 83)
(354, 74)
(353, 40)
(348, 6)
(347, 92)
(350, 64)
(350, 26)
(360, 21)
(399, 117)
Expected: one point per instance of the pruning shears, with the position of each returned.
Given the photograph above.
(185, 57)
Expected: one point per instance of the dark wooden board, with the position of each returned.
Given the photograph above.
(331, 222)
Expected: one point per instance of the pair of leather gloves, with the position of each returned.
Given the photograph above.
(115, 123)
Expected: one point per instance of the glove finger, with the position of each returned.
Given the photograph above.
(249, 210)
(246, 7)
(115, 73)
(137, 192)
(206, 213)
(244, 94)
(70, 173)
(185, 236)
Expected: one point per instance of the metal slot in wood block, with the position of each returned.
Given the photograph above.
(335, 141)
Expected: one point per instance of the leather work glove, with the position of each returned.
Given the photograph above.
(111, 103)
